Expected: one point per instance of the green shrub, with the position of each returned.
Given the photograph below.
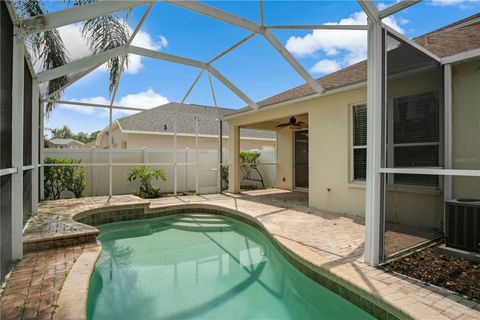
(58, 179)
(224, 174)
(74, 177)
(248, 166)
(145, 177)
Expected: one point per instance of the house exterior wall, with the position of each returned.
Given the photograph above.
(330, 185)
(285, 159)
(158, 141)
(466, 128)
(328, 149)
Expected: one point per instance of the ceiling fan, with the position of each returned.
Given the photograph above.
(293, 124)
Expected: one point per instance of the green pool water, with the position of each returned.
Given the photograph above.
(201, 266)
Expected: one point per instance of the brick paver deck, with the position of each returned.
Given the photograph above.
(34, 286)
(330, 243)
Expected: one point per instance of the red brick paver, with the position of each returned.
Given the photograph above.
(33, 288)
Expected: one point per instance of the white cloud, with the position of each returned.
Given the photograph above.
(348, 46)
(163, 41)
(78, 47)
(403, 21)
(325, 66)
(82, 109)
(145, 99)
(75, 44)
(461, 3)
(381, 6)
(143, 39)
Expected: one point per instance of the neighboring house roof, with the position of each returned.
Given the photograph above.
(455, 38)
(160, 120)
(62, 142)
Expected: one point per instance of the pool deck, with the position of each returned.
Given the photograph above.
(327, 242)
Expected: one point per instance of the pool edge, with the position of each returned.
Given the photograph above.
(295, 253)
(72, 302)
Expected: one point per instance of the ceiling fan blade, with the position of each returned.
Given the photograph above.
(283, 125)
(302, 123)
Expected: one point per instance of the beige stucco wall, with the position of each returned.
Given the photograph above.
(328, 149)
(158, 141)
(330, 187)
(285, 159)
(117, 136)
(466, 128)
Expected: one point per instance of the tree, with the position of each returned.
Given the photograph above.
(94, 134)
(249, 164)
(248, 167)
(64, 177)
(61, 133)
(66, 133)
(102, 33)
(74, 177)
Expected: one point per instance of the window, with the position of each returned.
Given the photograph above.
(359, 143)
(415, 140)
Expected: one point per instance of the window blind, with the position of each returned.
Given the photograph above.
(416, 118)
(359, 120)
(360, 125)
(416, 136)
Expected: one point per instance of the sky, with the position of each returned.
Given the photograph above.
(255, 67)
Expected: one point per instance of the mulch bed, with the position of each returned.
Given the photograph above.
(429, 266)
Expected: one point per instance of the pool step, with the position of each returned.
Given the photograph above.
(210, 220)
(201, 225)
(201, 216)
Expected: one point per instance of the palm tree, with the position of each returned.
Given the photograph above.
(102, 33)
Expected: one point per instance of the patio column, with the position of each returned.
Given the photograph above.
(234, 159)
(447, 127)
(35, 145)
(374, 199)
(41, 140)
(17, 146)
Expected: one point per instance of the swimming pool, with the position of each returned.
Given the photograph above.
(194, 266)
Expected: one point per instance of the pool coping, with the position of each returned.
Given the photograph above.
(342, 278)
(72, 302)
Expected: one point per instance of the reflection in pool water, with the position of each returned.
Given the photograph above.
(195, 266)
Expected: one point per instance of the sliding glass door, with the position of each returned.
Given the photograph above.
(301, 159)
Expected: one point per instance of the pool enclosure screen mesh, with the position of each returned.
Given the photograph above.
(413, 203)
(27, 142)
(6, 40)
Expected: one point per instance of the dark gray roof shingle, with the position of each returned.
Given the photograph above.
(455, 38)
(161, 119)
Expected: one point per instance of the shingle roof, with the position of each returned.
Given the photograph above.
(64, 141)
(160, 119)
(461, 36)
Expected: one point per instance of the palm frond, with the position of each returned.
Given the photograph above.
(47, 47)
(105, 33)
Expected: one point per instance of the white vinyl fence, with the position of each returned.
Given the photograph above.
(189, 173)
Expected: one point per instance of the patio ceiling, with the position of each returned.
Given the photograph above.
(272, 124)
